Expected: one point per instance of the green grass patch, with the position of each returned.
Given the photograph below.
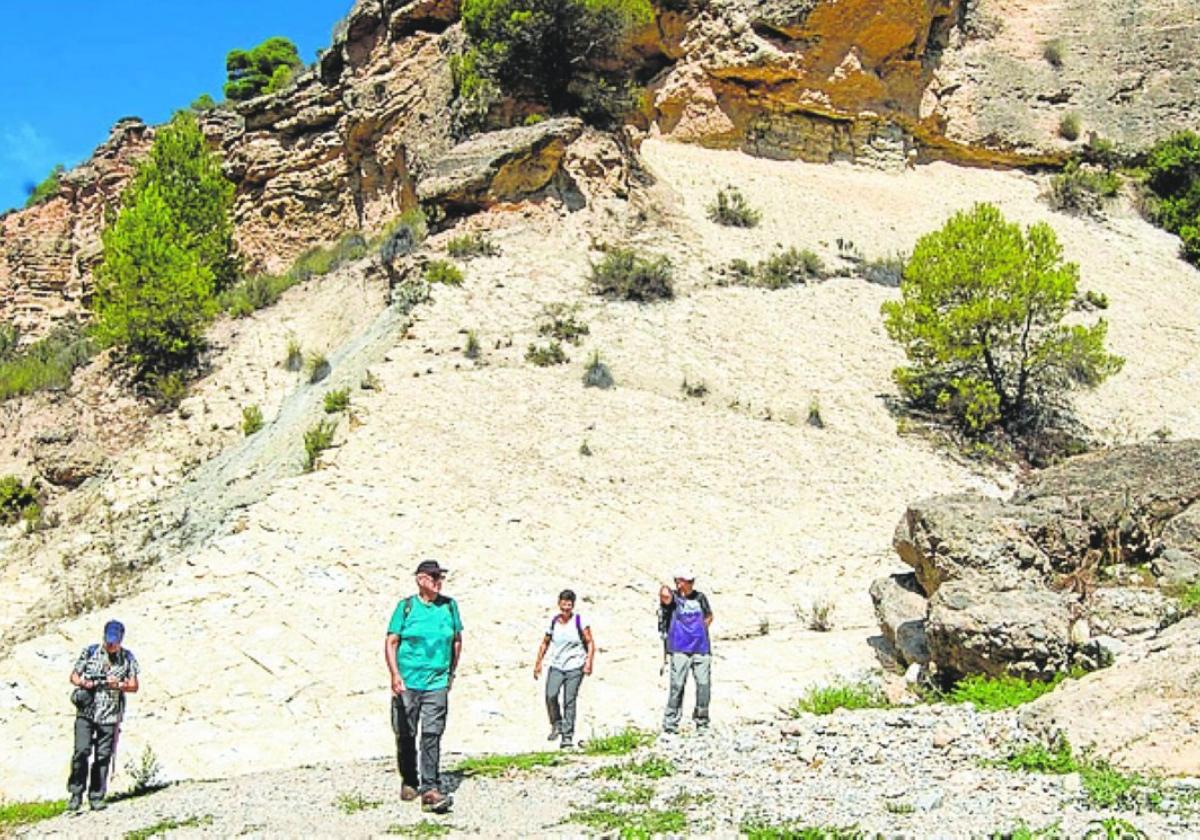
(500, 765)
(631, 824)
(252, 420)
(45, 365)
(169, 824)
(1189, 598)
(471, 245)
(317, 439)
(823, 700)
(758, 830)
(13, 814)
(991, 694)
(1105, 785)
(352, 803)
(1023, 832)
(324, 259)
(425, 828)
(444, 272)
(654, 767)
(337, 401)
(635, 794)
(619, 743)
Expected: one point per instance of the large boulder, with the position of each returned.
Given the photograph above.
(1141, 714)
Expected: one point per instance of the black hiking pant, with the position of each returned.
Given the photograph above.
(424, 711)
(91, 736)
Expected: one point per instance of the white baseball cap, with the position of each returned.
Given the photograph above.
(684, 573)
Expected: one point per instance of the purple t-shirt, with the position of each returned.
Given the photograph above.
(687, 632)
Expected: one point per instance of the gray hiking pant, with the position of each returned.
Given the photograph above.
(87, 736)
(566, 682)
(426, 711)
(700, 664)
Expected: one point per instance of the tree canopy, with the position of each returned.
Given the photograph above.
(1174, 176)
(980, 319)
(266, 68)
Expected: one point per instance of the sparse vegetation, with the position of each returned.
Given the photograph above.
(424, 828)
(266, 68)
(294, 360)
(561, 322)
(317, 439)
(695, 390)
(444, 272)
(823, 700)
(991, 694)
(472, 349)
(1094, 300)
(321, 260)
(1105, 786)
(885, 271)
(634, 794)
(732, 210)
(584, 449)
(370, 382)
(1189, 598)
(618, 743)
(14, 814)
(624, 274)
(792, 267)
(632, 823)
(165, 825)
(18, 501)
(820, 615)
(166, 390)
(145, 774)
(47, 189)
(1082, 188)
(654, 767)
(317, 366)
(814, 418)
(252, 420)
(758, 829)
(545, 355)
(402, 236)
(1055, 52)
(337, 401)
(1069, 126)
(46, 364)
(352, 803)
(471, 245)
(1173, 176)
(503, 765)
(597, 374)
(980, 321)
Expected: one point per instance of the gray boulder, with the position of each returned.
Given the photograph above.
(901, 608)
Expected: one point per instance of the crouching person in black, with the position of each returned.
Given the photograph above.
(102, 676)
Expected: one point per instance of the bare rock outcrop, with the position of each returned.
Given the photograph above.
(1024, 586)
(1141, 714)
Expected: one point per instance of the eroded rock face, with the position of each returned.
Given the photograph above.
(1024, 586)
(901, 608)
(1140, 714)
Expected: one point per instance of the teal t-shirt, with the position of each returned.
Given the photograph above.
(426, 637)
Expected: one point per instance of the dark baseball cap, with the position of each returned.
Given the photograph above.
(114, 632)
(431, 567)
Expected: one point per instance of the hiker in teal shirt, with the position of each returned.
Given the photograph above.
(422, 649)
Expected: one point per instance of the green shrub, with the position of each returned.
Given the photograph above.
(624, 274)
(203, 103)
(823, 700)
(255, 292)
(318, 367)
(991, 694)
(1105, 786)
(252, 420)
(337, 401)
(546, 355)
(472, 350)
(1069, 126)
(885, 271)
(166, 390)
(319, 261)
(1055, 52)
(294, 360)
(317, 439)
(265, 68)
(790, 268)
(402, 236)
(732, 210)
(145, 774)
(46, 364)
(491, 766)
(47, 189)
(17, 501)
(443, 271)
(980, 321)
(1173, 175)
(13, 814)
(167, 253)
(1189, 598)
(561, 322)
(597, 374)
(568, 55)
(471, 245)
(1082, 188)
(1094, 300)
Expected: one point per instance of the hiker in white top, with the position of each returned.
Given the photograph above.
(572, 651)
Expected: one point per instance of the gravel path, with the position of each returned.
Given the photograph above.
(901, 773)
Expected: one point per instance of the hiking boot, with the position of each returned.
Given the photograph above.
(76, 803)
(408, 794)
(566, 744)
(435, 801)
(97, 804)
(555, 731)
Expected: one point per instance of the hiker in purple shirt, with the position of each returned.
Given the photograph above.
(686, 617)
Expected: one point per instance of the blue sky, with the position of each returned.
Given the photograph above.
(74, 67)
